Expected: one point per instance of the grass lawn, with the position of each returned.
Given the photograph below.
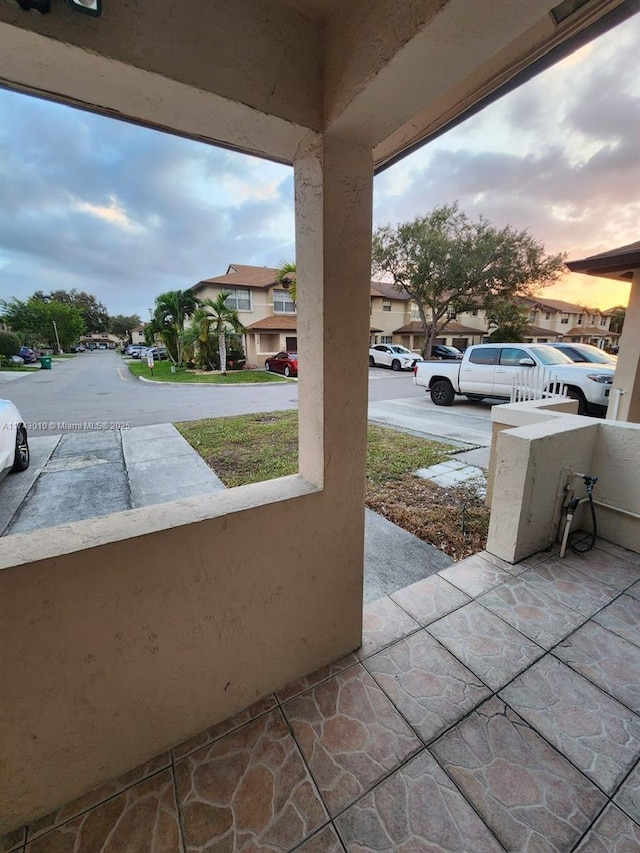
(252, 448)
(162, 373)
(14, 369)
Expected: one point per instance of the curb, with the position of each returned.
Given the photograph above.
(212, 384)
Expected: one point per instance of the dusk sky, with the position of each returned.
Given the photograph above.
(126, 213)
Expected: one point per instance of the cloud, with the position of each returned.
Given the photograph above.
(558, 156)
(126, 212)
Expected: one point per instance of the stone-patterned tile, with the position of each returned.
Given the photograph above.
(383, 622)
(608, 660)
(628, 797)
(416, 809)
(224, 727)
(307, 681)
(429, 687)
(634, 590)
(350, 734)
(598, 734)
(490, 648)
(14, 840)
(143, 817)
(429, 599)
(475, 575)
(614, 832)
(325, 841)
(605, 567)
(622, 617)
(536, 615)
(618, 551)
(570, 587)
(250, 790)
(97, 795)
(531, 797)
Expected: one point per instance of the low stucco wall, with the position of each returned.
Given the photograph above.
(139, 639)
(616, 463)
(533, 462)
(532, 467)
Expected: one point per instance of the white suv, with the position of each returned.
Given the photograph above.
(393, 356)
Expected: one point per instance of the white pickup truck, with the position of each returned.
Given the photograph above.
(489, 370)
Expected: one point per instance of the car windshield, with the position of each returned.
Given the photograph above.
(401, 350)
(549, 355)
(593, 354)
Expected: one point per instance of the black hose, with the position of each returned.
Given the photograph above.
(578, 546)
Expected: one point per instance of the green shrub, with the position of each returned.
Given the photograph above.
(9, 344)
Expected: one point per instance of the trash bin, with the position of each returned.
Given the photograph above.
(45, 362)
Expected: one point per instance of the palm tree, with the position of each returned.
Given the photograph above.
(219, 320)
(172, 310)
(286, 275)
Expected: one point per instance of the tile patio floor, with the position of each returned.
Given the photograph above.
(491, 707)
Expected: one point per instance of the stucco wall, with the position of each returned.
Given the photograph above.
(137, 640)
(531, 467)
(616, 463)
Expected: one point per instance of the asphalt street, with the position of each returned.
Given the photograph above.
(97, 388)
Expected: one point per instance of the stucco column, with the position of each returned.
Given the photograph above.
(627, 376)
(334, 182)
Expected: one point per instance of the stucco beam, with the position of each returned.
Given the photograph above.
(460, 55)
(240, 51)
(37, 64)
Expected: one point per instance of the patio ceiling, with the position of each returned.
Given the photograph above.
(388, 76)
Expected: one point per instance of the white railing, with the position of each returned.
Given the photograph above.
(536, 383)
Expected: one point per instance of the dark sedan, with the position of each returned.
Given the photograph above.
(284, 362)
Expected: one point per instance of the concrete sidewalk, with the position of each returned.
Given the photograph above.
(83, 475)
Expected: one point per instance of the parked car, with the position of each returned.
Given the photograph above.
(581, 353)
(443, 351)
(27, 355)
(16, 360)
(77, 348)
(136, 350)
(14, 445)
(283, 362)
(394, 356)
(158, 353)
(489, 370)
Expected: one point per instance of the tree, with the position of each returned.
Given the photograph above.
(511, 323)
(617, 320)
(9, 344)
(286, 275)
(121, 325)
(173, 308)
(44, 322)
(94, 313)
(448, 263)
(219, 321)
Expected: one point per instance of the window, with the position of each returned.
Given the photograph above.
(415, 314)
(487, 355)
(386, 339)
(603, 321)
(239, 298)
(579, 319)
(283, 302)
(565, 320)
(547, 316)
(510, 356)
(386, 305)
(533, 316)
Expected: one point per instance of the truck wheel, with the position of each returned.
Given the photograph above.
(442, 393)
(576, 394)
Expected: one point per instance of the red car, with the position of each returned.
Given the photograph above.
(283, 362)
